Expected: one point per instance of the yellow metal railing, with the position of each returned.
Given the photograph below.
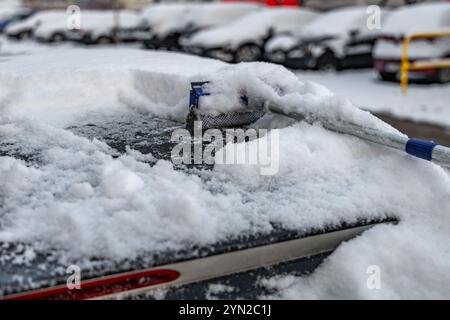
(420, 65)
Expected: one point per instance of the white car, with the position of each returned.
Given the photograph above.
(102, 27)
(245, 39)
(339, 39)
(167, 25)
(54, 30)
(418, 18)
(26, 28)
(11, 14)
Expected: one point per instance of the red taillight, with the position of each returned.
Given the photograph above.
(428, 71)
(272, 3)
(379, 64)
(98, 288)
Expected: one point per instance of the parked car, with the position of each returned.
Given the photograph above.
(418, 18)
(245, 39)
(54, 30)
(337, 40)
(14, 14)
(103, 27)
(168, 24)
(333, 4)
(25, 29)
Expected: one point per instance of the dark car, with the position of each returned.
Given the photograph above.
(245, 39)
(336, 40)
(167, 25)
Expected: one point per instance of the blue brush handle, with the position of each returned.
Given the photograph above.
(422, 149)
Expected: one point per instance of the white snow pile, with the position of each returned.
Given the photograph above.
(81, 201)
(59, 85)
(272, 84)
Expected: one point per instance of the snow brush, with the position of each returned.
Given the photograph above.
(422, 149)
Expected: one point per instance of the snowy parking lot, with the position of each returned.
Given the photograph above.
(67, 188)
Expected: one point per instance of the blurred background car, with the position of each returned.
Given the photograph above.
(168, 24)
(25, 29)
(161, 23)
(12, 14)
(245, 39)
(52, 30)
(423, 18)
(337, 40)
(333, 4)
(103, 27)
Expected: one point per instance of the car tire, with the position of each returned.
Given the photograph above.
(24, 35)
(248, 52)
(388, 76)
(150, 45)
(104, 40)
(57, 37)
(443, 75)
(327, 62)
(277, 56)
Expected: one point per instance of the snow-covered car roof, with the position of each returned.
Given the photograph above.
(339, 22)
(253, 27)
(426, 17)
(166, 18)
(213, 14)
(91, 20)
(38, 19)
(163, 18)
(7, 12)
(103, 21)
